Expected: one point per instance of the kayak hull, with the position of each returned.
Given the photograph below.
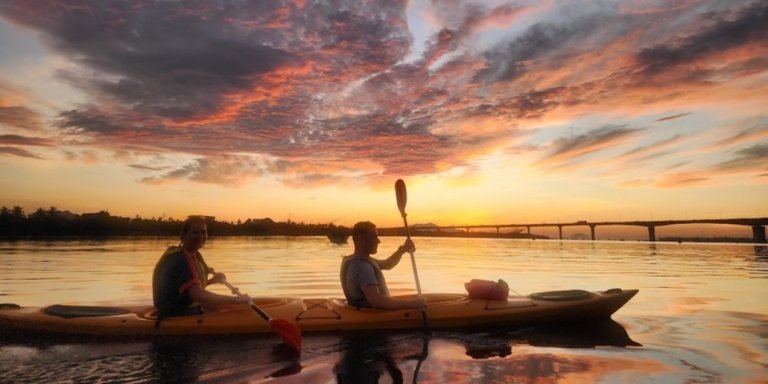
(444, 311)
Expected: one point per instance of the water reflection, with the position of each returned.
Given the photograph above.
(174, 361)
(686, 314)
(366, 359)
(577, 335)
(584, 335)
(374, 359)
(761, 252)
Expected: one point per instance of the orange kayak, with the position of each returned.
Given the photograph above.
(444, 311)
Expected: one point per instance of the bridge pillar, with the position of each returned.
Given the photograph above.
(560, 229)
(529, 229)
(497, 230)
(651, 233)
(592, 229)
(758, 234)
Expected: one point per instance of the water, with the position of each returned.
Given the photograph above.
(700, 317)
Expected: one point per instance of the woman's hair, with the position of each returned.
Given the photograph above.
(193, 219)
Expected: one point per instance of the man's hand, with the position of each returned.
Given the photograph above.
(408, 246)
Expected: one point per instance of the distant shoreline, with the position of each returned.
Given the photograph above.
(384, 232)
(54, 224)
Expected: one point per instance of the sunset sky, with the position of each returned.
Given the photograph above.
(491, 111)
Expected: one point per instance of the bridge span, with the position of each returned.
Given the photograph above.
(758, 226)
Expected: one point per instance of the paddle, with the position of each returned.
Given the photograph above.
(402, 199)
(290, 333)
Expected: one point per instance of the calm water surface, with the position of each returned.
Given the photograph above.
(701, 315)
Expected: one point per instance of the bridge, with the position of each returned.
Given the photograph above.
(758, 226)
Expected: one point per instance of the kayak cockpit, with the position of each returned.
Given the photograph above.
(74, 311)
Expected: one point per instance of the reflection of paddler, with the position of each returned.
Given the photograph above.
(365, 359)
(174, 361)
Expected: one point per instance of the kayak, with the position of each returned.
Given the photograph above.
(444, 311)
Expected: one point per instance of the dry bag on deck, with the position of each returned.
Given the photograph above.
(487, 290)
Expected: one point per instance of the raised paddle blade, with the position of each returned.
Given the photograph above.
(287, 331)
(402, 195)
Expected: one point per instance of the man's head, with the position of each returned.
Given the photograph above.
(194, 233)
(365, 237)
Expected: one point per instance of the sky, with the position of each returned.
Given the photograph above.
(492, 112)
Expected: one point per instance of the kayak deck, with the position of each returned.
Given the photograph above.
(444, 311)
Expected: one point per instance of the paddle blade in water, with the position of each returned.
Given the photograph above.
(290, 333)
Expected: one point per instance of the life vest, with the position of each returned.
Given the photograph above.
(379, 278)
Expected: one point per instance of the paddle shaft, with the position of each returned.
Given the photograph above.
(413, 258)
(288, 332)
(255, 307)
(402, 199)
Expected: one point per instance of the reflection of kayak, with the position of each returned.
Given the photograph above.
(444, 311)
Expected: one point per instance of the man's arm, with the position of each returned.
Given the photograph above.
(393, 260)
(379, 301)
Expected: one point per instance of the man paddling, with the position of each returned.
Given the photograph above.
(361, 277)
(181, 275)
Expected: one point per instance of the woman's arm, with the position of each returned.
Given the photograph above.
(197, 293)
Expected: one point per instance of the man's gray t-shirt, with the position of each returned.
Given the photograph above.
(359, 274)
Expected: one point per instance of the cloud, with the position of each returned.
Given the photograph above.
(147, 167)
(232, 171)
(681, 179)
(21, 117)
(569, 148)
(274, 88)
(751, 134)
(731, 30)
(24, 140)
(673, 117)
(18, 152)
(651, 150)
(754, 158)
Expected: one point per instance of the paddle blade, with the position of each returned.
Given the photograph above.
(402, 195)
(287, 331)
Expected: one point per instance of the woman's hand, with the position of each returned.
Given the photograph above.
(217, 278)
